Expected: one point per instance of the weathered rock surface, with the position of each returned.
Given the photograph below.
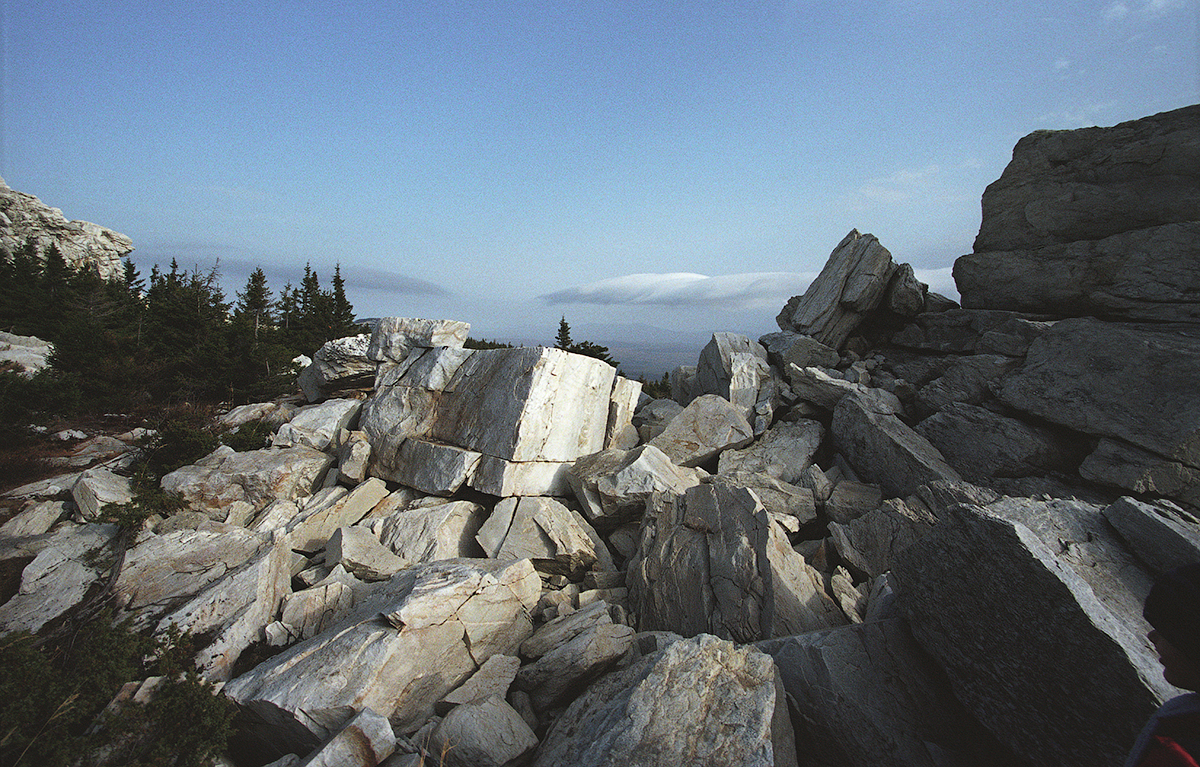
(430, 533)
(315, 426)
(413, 640)
(339, 364)
(1118, 381)
(29, 353)
(979, 444)
(852, 283)
(867, 695)
(1162, 537)
(82, 243)
(711, 561)
(366, 740)
(97, 488)
(58, 578)
(886, 451)
(1084, 223)
(784, 451)
(394, 337)
(1028, 646)
(559, 675)
(613, 486)
(871, 541)
(484, 733)
(556, 538)
(708, 425)
(698, 701)
(258, 477)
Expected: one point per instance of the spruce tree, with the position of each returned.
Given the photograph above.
(563, 339)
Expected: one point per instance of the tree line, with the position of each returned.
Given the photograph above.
(130, 342)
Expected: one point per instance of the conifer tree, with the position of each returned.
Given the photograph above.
(563, 339)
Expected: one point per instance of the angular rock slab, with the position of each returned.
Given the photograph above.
(315, 426)
(1131, 383)
(97, 488)
(430, 533)
(885, 451)
(406, 645)
(484, 733)
(394, 337)
(980, 444)
(712, 561)
(365, 741)
(57, 579)
(258, 477)
(613, 486)
(708, 425)
(1162, 537)
(867, 695)
(557, 539)
(340, 363)
(853, 282)
(1027, 645)
(784, 452)
(698, 701)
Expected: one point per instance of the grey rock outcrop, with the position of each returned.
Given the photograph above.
(700, 701)
(708, 425)
(1028, 645)
(613, 486)
(711, 561)
(1094, 222)
(853, 283)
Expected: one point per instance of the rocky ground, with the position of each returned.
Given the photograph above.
(899, 531)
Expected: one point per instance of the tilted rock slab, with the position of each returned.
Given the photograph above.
(784, 451)
(315, 426)
(853, 282)
(884, 450)
(712, 561)
(484, 733)
(734, 367)
(365, 741)
(708, 425)
(258, 477)
(58, 578)
(698, 701)
(1135, 384)
(867, 695)
(1163, 537)
(339, 364)
(1028, 647)
(557, 538)
(415, 638)
(234, 610)
(430, 533)
(97, 488)
(613, 486)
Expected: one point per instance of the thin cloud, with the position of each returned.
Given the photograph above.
(1115, 11)
(390, 282)
(731, 291)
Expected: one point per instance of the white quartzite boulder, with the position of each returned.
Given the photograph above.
(708, 425)
(613, 486)
(415, 638)
(258, 477)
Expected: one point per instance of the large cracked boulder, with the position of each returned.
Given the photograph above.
(411, 641)
(711, 561)
(698, 701)
(512, 418)
(1029, 646)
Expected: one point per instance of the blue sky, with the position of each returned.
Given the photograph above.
(686, 166)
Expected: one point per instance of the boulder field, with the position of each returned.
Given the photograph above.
(899, 531)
